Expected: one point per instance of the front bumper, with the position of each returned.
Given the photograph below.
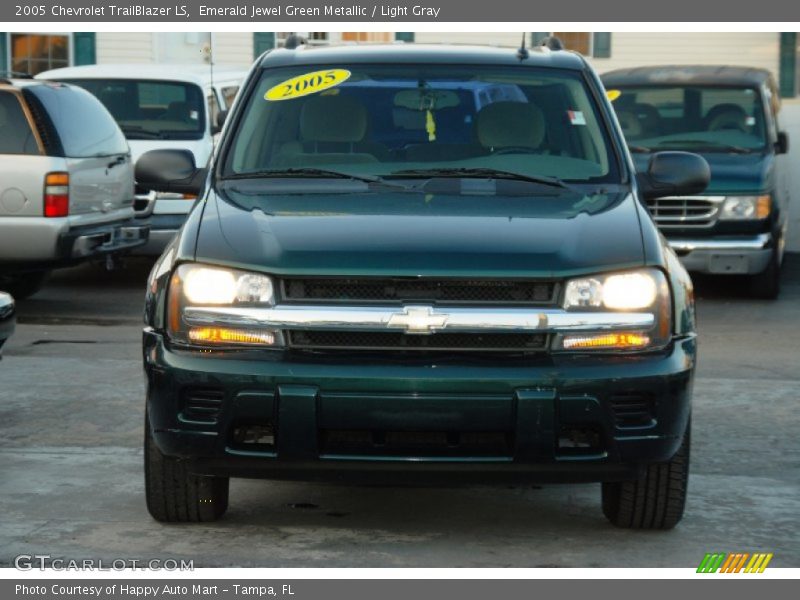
(419, 421)
(729, 255)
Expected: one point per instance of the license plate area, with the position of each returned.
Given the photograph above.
(729, 264)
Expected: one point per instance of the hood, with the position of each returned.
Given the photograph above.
(415, 234)
(730, 173)
(200, 148)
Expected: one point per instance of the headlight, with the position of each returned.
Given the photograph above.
(206, 285)
(194, 285)
(624, 291)
(741, 208)
(643, 290)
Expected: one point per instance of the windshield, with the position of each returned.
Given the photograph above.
(691, 117)
(411, 120)
(167, 110)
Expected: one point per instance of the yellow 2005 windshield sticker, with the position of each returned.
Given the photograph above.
(309, 83)
(613, 94)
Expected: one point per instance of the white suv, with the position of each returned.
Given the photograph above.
(161, 107)
(66, 183)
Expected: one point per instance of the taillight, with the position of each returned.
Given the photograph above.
(56, 195)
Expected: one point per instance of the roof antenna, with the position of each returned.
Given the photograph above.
(522, 53)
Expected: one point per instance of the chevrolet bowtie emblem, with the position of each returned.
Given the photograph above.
(418, 319)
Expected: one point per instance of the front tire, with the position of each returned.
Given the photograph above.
(174, 495)
(23, 285)
(654, 501)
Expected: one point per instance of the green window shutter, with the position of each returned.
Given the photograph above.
(601, 45)
(84, 48)
(788, 72)
(263, 41)
(3, 52)
(404, 36)
(536, 38)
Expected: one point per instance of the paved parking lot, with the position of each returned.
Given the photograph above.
(71, 486)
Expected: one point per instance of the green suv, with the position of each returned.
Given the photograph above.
(730, 116)
(420, 264)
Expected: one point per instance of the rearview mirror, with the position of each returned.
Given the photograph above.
(782, 145)
(674, 174)
(7, 317)
(169, 171)
(422, 99)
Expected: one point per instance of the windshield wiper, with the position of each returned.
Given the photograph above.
(135, 130)
(701, 144)
(300, 172)
(482, 173)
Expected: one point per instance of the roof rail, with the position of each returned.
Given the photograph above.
(15, 75)
(293, 41)
(552, 43)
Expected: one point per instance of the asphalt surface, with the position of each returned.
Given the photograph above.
(71, 481)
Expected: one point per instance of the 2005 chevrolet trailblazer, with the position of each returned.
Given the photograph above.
(420, 264)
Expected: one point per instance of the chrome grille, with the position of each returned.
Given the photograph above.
(685, 211)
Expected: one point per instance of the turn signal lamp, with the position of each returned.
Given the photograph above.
(606, 340)
(223, 335)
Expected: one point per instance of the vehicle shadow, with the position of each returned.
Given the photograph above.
(727, 287)
(88, 294)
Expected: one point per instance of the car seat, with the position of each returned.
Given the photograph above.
(506, 126)
(630, 123)
(331, 131)
(726, 117)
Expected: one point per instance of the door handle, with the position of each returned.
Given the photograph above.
(117, 161)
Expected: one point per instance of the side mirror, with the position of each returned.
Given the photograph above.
(782, 145)
(7, 317)
(220, 121)
(674, 174)
(169, 171)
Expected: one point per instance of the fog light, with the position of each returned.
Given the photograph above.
(606, 340)
(222, 335)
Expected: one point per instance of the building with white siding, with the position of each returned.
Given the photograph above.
(35, 52)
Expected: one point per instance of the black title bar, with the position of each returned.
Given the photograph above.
(472, 11)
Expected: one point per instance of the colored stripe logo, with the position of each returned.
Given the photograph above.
(737, 562)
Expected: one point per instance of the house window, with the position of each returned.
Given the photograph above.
(367, 36)
(579, 41)
(33, 53)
